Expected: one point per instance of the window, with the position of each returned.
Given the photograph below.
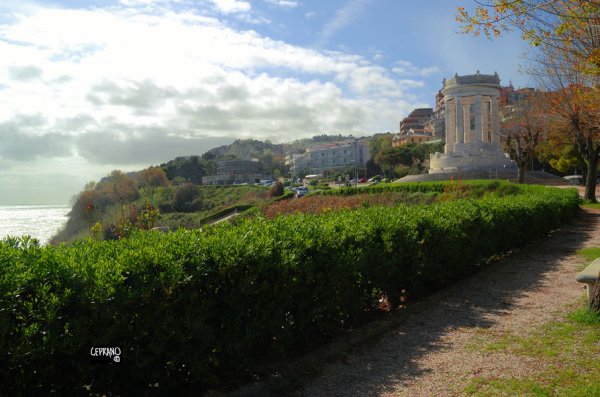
(472, 117)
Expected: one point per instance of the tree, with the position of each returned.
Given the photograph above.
(277, 189)
(154, 177)
(578, 122)
(187, 198)
(123, 186)
(567, 64)
(595, 294)
(571, 26)
(192, 168)
(523, 128)
(574, 107)
(412, 156)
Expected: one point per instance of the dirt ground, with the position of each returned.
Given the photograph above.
(431, 354)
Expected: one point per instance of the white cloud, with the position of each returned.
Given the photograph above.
(409, 69)
(138, 2)
(66, 62)
(231, 6)
(152, 87)
(343, 17)
(284, 3)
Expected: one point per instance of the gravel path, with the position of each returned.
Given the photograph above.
(432, 354)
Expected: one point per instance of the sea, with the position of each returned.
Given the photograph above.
(39, 221)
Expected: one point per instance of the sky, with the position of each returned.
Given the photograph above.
(87, 87)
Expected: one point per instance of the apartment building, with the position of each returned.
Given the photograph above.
(332, 156)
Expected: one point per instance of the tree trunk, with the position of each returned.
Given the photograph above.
(590, 181)
(522, 169)
(595, 297)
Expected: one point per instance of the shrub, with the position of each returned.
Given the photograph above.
(186, 198)
(194, 309)
(276, 189)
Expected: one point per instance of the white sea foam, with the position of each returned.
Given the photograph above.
(39, 221)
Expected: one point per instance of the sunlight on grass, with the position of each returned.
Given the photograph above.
(594, 206)
(589, 253)
(565, 349)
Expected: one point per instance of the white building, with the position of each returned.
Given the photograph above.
(333, 156)
(472, 126)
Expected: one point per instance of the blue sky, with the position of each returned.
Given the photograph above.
(91, 86)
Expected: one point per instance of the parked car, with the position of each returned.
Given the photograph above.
(375, 178)
(575, 179)
(301, 191)
(362, 180)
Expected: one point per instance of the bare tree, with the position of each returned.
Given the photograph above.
(523, 127)
(572, 102)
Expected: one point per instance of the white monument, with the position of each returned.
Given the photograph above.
(472, 127)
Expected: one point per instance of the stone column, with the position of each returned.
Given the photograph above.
(476, 135)
(495, 133)
(450, 104)
(460, 122)
(485, 119)
(446, 121)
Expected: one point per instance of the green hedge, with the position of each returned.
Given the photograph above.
(410, 187)
(422, 187)
(193, 310)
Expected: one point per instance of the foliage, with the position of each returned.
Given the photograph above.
(191, 168)
(402, 160)
(561, 156)
(523, 129)
(276, 189)
(204, 200)
(152, 177)
(187, 198)
(98, 202)
(476, 188)
(194, 309)
(322, 204)
(577, 123)
(565, 25)
(567, 65)
(143, 218)
(390, 195)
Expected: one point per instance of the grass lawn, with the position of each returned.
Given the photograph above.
(589, 253)
(594, 206)
(567, 352)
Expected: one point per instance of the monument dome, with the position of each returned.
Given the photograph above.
(472, 126)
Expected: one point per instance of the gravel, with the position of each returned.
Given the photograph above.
(434, 352)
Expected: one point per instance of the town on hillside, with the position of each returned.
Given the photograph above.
(470, 133)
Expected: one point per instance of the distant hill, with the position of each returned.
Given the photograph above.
(246, 149)
(299, 146)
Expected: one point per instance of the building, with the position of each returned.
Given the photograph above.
(416, 120)
(472, 124)
(297, 163)
(319, 159)
(412, 128)
(411, 137)
(236, 171)
(436, 124)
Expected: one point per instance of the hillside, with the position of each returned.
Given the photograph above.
(171, 194)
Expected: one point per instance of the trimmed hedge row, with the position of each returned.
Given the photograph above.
(192, 309)
(420, 187)
(411, 187)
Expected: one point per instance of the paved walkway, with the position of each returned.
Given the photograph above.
(431, 354)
